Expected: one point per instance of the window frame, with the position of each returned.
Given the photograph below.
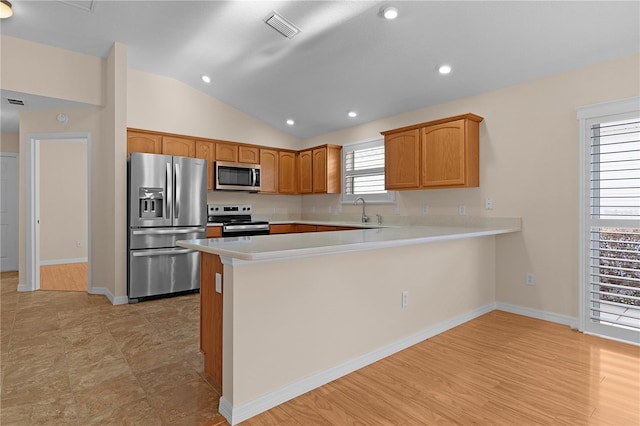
(600, 113)
(389, 197)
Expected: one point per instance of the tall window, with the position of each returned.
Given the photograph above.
(611, 222)
(363, 172)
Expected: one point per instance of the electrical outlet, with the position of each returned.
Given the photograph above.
(425, 209)
(488, 204)
(530, 278)
(78, 243)
(405, 298)
(329, 209)
(462, 209)
(313, 209)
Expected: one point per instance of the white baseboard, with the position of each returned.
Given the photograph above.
(63, 261)
(536, 313)
(120, 300)
(24, 287)
(246, 410)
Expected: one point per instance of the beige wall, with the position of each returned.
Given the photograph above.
(41, 70)
(9, 142)
(63, 200)
(528, 165)
(283, 328)
(160, 103)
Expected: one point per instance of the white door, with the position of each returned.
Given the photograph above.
(9, 212)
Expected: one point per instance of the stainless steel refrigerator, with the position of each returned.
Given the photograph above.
(167, 201)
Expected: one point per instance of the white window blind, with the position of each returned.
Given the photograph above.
(363, 172)
(612, 224)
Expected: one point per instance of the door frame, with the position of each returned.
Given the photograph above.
(32, 203)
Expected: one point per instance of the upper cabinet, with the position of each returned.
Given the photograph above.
(143, 142)
(172, 145)
(287, 172)
(269, 171)
(437, 154)
(206, 151)
(226, 151)
(249, 154)
(320, 170)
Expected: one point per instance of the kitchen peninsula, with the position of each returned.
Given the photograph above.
(300, 310)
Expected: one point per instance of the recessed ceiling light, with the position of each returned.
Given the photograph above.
(444, 69)
(352, 114)
(290, 122)
(206, 78)
(389, 12)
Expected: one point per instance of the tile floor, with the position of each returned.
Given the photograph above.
(73, 358)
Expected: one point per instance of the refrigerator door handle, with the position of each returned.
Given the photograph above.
(168, 231)
(178, 185)
(169, 193)
(148, 253)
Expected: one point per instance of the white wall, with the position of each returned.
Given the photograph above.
(528, 165)
(9, 142)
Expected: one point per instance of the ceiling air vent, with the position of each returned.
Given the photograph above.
(15, 102)
(281, 25)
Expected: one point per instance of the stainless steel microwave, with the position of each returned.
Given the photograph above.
(237, 176)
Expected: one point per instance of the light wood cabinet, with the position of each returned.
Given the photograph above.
(320, 170)
(281, 228)
(206, 151)
(211, 318)
(143, 142)
(268, 171)
(287, 172)
(306, 172)
(302, 227)
(214, 231)
(249, 154)
(437, 154)
(226, 151)
(402, 160)
(172, 145)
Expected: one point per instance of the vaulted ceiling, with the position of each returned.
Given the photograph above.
(346, 57)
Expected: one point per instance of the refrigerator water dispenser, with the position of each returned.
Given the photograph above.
(150, 202)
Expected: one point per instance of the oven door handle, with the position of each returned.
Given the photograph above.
(148, 253)
(245, 227)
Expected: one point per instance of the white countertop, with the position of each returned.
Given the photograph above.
(286, 246)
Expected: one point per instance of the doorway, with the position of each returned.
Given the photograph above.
(9, 183)
(58, 211)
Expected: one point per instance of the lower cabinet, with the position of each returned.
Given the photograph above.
(214, 231)
(211, 318)
(284, 228)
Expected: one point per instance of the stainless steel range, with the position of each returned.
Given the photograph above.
(236, 220)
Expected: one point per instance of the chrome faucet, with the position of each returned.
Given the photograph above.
(365, 218)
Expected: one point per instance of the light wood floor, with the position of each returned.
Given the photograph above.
(499, 369)
(64, 277)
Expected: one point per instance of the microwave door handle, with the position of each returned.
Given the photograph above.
(168, 192)
(254, 177)
(177, 209)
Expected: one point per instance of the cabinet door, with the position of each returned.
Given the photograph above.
(402, 160)
(443, 154)
(143, 142)
(282, 228)
(172, 145)
(211, 318)
(287, 172)
(268, 171)
(226, 151)
(206, 151)
(301, 227)
(248, 154)
(306, 172)
(214, 231)
(319, 171)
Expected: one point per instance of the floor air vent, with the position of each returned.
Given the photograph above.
(281, 25)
